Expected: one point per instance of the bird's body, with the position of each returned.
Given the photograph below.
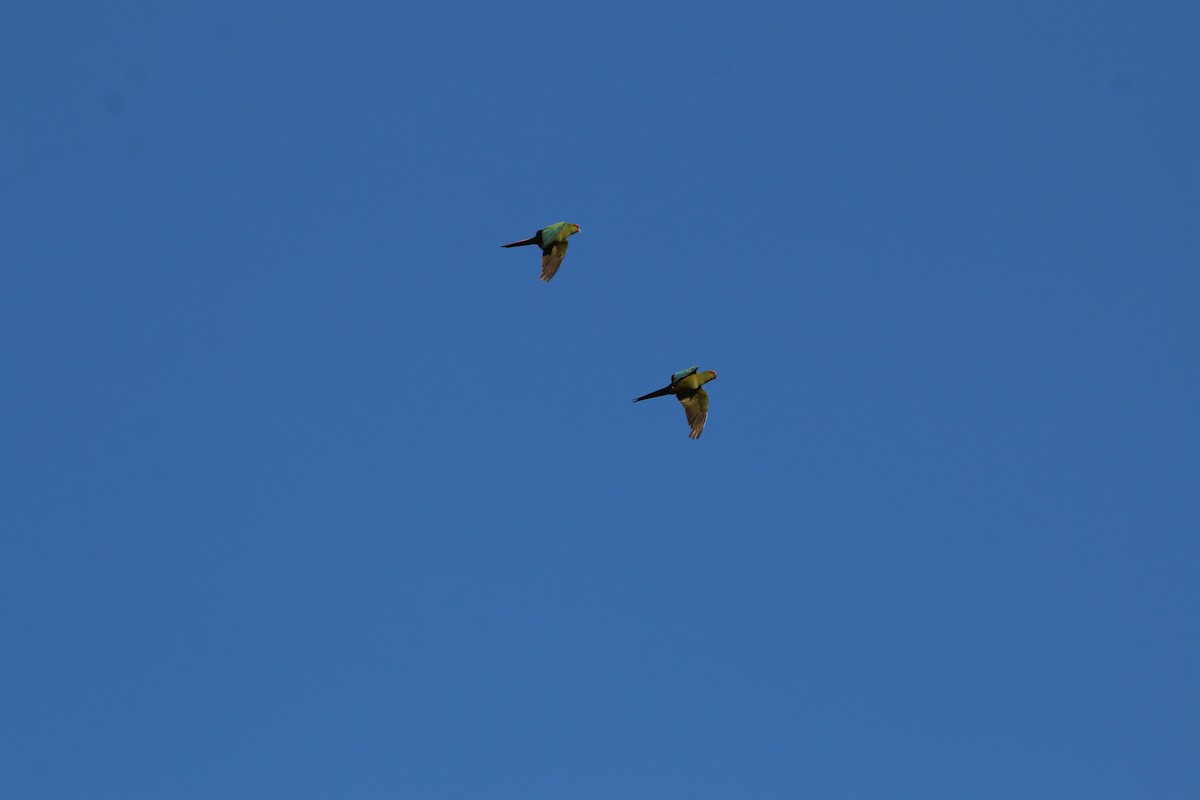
(687, 386)
(553, 241)
(683, 373)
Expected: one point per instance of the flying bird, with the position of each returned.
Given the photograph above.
(553, 241)
(686, 385)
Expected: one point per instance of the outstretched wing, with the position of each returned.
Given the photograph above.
(696, 407)
(552, 259)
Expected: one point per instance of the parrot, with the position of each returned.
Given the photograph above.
(553, 241)
(686, 385)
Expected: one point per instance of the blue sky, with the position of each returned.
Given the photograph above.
(308, 489)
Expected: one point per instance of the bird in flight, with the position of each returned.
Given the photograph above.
(687, 385)
(553, 241)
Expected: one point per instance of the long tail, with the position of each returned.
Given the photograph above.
(522, 243)
(660, 393)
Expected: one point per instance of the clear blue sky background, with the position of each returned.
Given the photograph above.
(310, 490)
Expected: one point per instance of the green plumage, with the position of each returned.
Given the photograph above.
(683, 373)
(686, 386)
(553, 241)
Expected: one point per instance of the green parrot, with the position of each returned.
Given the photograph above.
(553, 241)
(685, 385)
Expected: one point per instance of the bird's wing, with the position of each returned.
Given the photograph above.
(552, 259)
(695, 406)
(683, 373)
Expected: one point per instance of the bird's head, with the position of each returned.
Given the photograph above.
(712, 374)
(572, 229)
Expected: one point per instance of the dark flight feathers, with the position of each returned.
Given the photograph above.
(689, 390)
